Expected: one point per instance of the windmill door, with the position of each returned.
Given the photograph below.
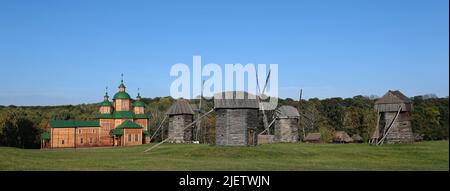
(251, 137)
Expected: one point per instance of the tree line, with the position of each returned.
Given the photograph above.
(21, 126)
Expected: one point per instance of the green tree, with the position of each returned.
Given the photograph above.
(426, 121)
(18, 131)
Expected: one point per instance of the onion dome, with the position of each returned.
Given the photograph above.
(138, 102)
(106, 101)
(122, 95)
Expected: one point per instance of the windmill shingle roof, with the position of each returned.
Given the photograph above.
(181, 106)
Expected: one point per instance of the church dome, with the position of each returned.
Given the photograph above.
(106, 103)
(121, 95)
(138, 103)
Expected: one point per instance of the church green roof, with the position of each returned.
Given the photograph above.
(104, 116)
(121, 95)
(138, 103)
(71, 124)
(122, 115)
(141, 116)
(129, 124)
(106, 103)
(145, 133)
(117, 132)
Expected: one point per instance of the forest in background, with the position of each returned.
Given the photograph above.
(21, 126)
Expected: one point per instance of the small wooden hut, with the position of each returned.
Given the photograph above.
(342, 137)
(394, 125)
(236, 118)
(312, 138)
(286, 124)
(180, 114)
(357, 139)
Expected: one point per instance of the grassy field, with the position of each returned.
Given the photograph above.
(419, 156)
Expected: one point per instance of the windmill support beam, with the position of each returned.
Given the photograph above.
(160, 125)
(389, 127)
(375, 136)
(270, 124)
(261, 93)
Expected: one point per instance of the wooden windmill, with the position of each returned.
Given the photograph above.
(393, 123)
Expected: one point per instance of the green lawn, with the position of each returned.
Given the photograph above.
(419, 156)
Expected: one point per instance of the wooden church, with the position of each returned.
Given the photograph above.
(121, 122)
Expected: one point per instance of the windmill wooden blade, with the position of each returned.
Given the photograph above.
(198, 114)
(299, 105)
(267, 81)
(257, 81)
(265, 120)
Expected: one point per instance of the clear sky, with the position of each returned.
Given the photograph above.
(66, 52)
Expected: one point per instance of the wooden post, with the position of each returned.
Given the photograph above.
(299, 109)
(51, 138)
(75, 137)
(199, 123)
(377, 128)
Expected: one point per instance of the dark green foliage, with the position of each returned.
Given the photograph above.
(431, 117)
(333, 110)
(17, 130)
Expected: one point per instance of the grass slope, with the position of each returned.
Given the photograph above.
(419, 156)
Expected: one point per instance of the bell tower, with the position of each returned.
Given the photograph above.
(122, 100)
(138, 105)
(106, 106)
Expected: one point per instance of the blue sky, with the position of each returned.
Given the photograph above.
(66, 52)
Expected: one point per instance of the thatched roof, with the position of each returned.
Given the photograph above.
(342, 136)
(356, 137)
(194, 107)
(287, 111)
(181, 106)
(235, 100)
(393, 97)
(312, 137)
